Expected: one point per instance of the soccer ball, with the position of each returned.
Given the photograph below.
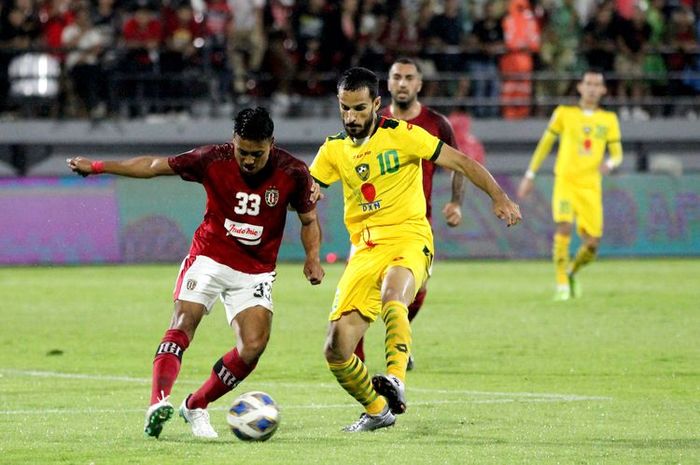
(254, 416)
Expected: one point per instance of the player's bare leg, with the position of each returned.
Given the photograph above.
(560, 257)
(252, 328)
(166, 365)
(352, 374)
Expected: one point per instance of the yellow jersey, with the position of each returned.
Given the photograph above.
(583, 137)
(382, 180)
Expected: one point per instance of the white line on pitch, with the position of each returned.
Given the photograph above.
(89, 411)
(539, 397)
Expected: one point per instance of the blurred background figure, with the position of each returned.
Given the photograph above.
(87, 45)
(522, 41)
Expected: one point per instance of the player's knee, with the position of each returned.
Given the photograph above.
(252, 346)
(564, 229)
(333, 354)
(593, 245)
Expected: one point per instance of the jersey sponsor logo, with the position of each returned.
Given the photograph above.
(369, 192)
(362, 171)
(272, 196)
(191, 284)
(248, 234)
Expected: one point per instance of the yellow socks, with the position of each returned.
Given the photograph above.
(354, 378)
(584, 256)
(397, 342)
(560, 256)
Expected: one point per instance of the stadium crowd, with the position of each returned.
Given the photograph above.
(500, 58)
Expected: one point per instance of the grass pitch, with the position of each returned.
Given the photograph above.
(503, 374)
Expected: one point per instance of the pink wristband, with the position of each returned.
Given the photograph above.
(97, 167)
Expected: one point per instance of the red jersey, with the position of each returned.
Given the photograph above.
(438, 125)
(245, 214)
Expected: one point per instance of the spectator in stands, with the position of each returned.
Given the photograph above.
(340, 36)
(20, 29)
(86, 45)
(632, 42)
(183, 39)
(377, 33)
(280, 57)
(654, 63)
(445, 35)
(599, 39)
(141, 36)
(487, 37)
(522, 41)
(247, 42)
(308, 25)
(561, 37)
(218, 20)
(55, 16)
(683, 58)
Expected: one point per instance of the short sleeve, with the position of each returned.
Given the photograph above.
(300, 199)
(425, 145)
(191, 166)
(323, 169)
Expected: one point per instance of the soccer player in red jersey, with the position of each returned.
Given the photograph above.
(404, 83)
(249, 183)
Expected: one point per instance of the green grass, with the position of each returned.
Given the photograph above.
(503, 375)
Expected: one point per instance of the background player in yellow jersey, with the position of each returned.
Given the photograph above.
(584, 132)
(378, 161)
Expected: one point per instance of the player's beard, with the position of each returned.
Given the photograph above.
(363, 132)
(405, 104)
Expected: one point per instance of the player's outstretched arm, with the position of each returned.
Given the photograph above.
(311, 239)
(138, 167)
(503, 207)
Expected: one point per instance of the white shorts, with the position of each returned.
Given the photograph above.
(202, 280)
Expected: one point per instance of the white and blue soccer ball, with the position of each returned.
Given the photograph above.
(254, 416)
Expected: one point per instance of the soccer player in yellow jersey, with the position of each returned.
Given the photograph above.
(584, 132)
(378, 161)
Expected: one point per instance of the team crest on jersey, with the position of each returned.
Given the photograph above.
(272, 196)
(191, 284)
(362, 171)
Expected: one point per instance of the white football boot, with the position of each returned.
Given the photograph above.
(198, 418)
(156, 415)
(392, 389)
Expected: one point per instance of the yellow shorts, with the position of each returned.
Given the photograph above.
(582, 204)
(360, 286)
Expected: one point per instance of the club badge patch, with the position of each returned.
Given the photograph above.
(191, 284)
(362, 171)
(272, 196)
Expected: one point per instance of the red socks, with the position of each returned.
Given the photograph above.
(227, 372)
(166, 364)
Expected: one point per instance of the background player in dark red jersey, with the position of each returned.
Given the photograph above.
(404, 81)
(249, 184)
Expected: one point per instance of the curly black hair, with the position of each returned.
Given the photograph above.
(254, 124)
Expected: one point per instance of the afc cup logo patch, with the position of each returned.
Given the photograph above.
(362, 171)
(191, 284)
(272, 196)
